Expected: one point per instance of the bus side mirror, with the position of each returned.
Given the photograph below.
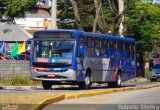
(81, 51)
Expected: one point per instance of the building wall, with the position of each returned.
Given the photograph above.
(11, 68)
(31, 23)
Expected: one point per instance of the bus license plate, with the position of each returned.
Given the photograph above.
(51, 75)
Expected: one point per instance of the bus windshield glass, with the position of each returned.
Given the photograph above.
(58, 51)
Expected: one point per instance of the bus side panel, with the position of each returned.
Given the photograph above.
(110, 70)
(80, 70)
(106, 68)
(133, 68)
(123, 63)
(128, 69)
(95, 64)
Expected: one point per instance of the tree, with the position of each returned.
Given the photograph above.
(143, 23)
(11, 9)
(95, 15)
(121, 9)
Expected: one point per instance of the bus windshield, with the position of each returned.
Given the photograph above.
(58, 51)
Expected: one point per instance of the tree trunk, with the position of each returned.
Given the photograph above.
(98, 7)
(76, 14)
(121, 9)
(140, 72)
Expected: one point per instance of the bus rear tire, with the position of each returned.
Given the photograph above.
(46, 85)
(86, 83)
(117, 83)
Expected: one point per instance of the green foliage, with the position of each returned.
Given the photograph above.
(142, 19)
(17, 80)
(142, 23)
(17, 8)
(86, 11)
(147, 73)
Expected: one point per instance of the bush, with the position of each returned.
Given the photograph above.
(18, 80)
(147, 73)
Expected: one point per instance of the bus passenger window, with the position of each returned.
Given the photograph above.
(132, 51)
(90, 52)
(90, 42)
(105, 44)
(97, 43)
(97, 52)
(105, 48)
(120, 49)
(127, 50)
(112, 47)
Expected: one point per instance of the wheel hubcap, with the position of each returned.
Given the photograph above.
(119, 80)
(87, 80)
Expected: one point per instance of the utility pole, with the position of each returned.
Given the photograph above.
(54, 14)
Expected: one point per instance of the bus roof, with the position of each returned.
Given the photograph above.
(130, 40)
(59, 30)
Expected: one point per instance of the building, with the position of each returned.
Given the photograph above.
(44, 2)
(33, 21)
(11, 32)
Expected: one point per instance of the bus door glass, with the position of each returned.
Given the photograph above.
(81, 47)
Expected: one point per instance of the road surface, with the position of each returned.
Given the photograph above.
(34, 95)
(147, 99)
(71, 89)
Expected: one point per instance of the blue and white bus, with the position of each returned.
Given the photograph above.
(82, 58)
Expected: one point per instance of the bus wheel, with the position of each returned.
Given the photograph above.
(117, 83)
(119, 80)
(46, 85)
(86, 83)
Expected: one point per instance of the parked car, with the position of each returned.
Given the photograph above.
(155, 73)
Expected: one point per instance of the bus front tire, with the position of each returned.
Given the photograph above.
(117, 83)
(86, 83)
(46, 85)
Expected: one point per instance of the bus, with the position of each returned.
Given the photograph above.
(81, 58)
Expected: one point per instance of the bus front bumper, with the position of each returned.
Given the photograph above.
(69, 75)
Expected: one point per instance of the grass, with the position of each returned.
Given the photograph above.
(147, 73)
(18, 80)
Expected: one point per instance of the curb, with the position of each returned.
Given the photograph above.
(58, 98)
(46, 102)
(19, 87)
(94, 93)
(27, 87)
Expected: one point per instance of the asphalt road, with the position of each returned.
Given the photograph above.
(148, 99)
(34, 95)
(70, 89)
